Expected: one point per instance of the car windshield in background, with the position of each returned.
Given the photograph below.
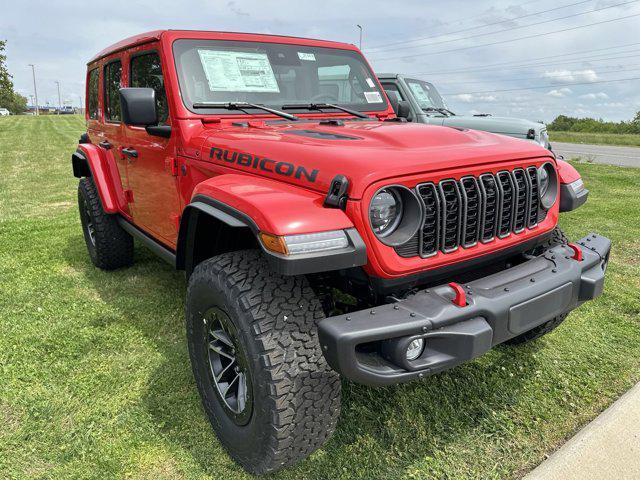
(273, 75)
(426, 95)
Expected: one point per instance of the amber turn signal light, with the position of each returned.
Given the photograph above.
(274, 243)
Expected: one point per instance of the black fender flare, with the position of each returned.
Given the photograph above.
(204, 205)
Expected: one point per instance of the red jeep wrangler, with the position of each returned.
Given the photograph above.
(321, 235)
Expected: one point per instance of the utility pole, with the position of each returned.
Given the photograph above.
(35, 89)
(59, 97)
(360, 44)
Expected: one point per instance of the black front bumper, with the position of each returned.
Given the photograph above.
(368, 346)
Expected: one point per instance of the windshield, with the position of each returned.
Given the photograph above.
(425, 94)
(274, 75)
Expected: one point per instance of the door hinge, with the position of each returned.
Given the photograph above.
(128, 195)
(173, 166)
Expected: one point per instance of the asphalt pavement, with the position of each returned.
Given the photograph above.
(607, 154)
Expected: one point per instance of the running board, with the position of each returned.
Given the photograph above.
(160, 250)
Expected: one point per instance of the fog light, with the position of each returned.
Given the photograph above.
(415, 348)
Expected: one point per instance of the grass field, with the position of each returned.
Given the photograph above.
(625, 140)
(95, 380)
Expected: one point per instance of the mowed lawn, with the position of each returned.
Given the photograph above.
(95, 379)
(625, 140)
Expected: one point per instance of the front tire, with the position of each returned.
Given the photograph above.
(268, 323)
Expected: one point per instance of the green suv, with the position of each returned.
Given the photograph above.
(419, 101)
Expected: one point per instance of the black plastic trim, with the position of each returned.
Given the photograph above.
(164, 252)
(80, 165)
(569, 200)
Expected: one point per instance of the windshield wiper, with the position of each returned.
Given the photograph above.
(443, 111)
(321, 106)
(242, 106)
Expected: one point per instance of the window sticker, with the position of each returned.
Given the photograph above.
(421, 95)
(370, 83)
(238, 71)
(373, 97)
(310, 57)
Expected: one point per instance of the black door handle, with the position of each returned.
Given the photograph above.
(105, 144)
(130, 152)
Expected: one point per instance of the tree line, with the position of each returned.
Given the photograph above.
(9, 98)
(562, 123)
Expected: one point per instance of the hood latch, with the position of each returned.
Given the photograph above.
(337, 194)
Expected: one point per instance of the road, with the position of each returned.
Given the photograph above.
(610, 155)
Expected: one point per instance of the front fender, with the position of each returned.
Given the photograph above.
(567, 172)
(274, 207)
(90, 161)
(572, 195)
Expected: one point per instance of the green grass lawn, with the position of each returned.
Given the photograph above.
(95, 381)
(625, 140)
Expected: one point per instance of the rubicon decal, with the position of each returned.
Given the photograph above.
(285, 169)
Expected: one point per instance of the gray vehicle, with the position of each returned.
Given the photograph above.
(419, 101)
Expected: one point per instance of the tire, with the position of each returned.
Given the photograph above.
(558, 237)
(292, 399)
(110, 247)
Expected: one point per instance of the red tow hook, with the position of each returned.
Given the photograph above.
(577, 252)
(461, 297)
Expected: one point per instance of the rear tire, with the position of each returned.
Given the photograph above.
(110, 247)
(292, 397)
(558, 237)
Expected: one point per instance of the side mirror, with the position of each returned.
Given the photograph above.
(138, 106)
(404, 110)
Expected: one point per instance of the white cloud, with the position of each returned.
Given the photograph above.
(569, 76)
(595, 96)
(611, 104)
(562, 92)
(468, 98)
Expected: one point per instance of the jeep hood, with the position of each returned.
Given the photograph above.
(503, 125)
(310, 155)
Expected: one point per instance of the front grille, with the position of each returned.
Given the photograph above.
(461, 213)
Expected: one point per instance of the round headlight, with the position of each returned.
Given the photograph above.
(385, 212)
(395, 214)
(547, 185)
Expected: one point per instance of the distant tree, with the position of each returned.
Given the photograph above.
(562, 123)
(9, 98)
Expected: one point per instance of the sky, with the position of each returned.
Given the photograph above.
(533, 60)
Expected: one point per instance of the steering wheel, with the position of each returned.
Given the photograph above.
(324, 98)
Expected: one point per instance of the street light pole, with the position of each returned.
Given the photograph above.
(360, 44)
(59, 98)
(35, 90)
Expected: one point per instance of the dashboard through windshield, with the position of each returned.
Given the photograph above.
(273, 75)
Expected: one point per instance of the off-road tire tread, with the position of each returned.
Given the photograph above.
(114, 246)
(558, 237)
(304, 399)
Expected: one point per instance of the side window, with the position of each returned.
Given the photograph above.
(94, 79)
(112, 74)
(392, 90)
(146, 72)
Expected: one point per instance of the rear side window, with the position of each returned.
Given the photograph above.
(94, 82)
(112, 75)
(146, 72)
(393, 91)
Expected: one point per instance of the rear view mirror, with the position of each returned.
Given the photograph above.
(138, 106)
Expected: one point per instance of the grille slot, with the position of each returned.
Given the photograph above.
(522, 198)
(532, 173)
(430, 231)
(472, 214)
(507, 197)
(491, 207)
(461, 213)
(451, 214)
